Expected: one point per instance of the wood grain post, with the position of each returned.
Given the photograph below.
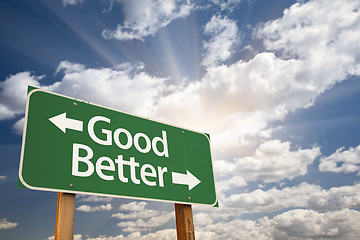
(184, 222)
(65, 211)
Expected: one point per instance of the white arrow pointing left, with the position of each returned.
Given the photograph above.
(63, 123)
(185, 179)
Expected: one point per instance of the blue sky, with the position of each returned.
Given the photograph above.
(275, 83)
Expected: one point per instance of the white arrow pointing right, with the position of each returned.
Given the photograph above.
(63, 123)
(185, 179)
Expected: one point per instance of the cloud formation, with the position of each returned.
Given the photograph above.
(342, 161)
(144, 18)
(139, 218)
(137, 89)
(75, 237)
(309, 224)
(227, 4)
(304, 195)
(291, 225)
(13, 93)
(133, 206)
(71, 2)
(146, 213)
(273, 161)
(142, 224)
(5, 224)
(294, 224)
(223, 34)
(91, 198)
(323, 36)
(88, 208)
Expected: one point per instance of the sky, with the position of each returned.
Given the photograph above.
(275, 83)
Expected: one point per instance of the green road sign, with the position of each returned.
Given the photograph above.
(75, 146)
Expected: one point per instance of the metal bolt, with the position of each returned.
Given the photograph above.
(189, 198)
(71, 185)
(189, 232)
(183, 132)
(75, 104)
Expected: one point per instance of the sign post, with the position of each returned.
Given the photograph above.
(65, 211)
(184, 222)
(72, 146)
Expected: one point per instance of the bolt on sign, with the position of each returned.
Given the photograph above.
(77, 147)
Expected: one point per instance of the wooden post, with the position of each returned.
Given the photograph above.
(184, 222)
(65, 211)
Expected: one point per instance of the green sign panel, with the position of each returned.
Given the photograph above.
(75, 146)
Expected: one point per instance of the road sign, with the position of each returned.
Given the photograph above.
(74, 146)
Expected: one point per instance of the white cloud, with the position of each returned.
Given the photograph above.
(71, 2)
(235, 229)
(309, 224)
(69, 67)
(75, 237)
(166, 234)
(146, 213)
(202, 219)
(18, 127)
(302, 196)
(305, 195)
(231, 183)
(292, 225)
(144, 18)
(87, 208)
(13, 93)
(237, 101)
(272, 161)
(321, 35)
(101, 86)
(155, 221)
(142, 219)
(227, 4)
(273, 199)
(335, 198)
(133, 206)
(223, 34)
(139, 91)
(2, 178)
(5, 224)
(91, 198)
(342, 161)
